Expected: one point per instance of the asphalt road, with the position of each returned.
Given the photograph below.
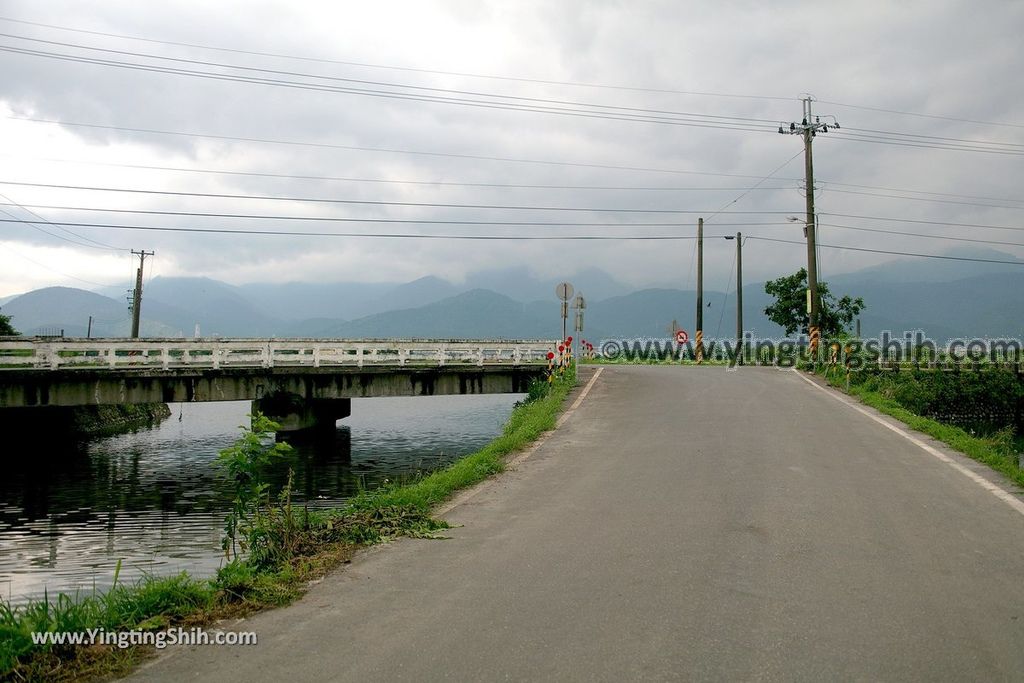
(684, 523)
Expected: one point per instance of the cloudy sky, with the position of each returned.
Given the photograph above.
(483, 118)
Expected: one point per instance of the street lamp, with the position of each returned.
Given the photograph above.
(739, 294)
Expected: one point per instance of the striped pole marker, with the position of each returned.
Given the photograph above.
(699, 342)
(815, 340)
(848, 351)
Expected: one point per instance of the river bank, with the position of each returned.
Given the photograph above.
(307, 544)
(115, 419)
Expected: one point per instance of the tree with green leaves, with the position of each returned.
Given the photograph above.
(6, 329)
(790, 308)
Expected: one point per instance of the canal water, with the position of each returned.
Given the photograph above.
(156, 500)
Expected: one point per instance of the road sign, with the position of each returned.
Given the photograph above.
(682, 337)
(563, 291)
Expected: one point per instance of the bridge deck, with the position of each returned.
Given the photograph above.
(76, 372)
(168, 354)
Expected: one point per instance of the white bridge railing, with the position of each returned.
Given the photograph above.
(170, 354)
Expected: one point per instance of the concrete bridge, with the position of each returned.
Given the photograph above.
(299, 382)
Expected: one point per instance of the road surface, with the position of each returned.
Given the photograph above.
(686, 524)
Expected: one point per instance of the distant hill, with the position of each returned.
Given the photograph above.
(218, 308)
(475, 314)
(305, 300)
(917, 270)
(902, 296)
(49, 310)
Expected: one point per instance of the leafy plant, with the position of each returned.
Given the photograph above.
(6, 329)
(243, 461)
(790, 308)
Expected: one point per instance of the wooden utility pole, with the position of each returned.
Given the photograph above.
(137, 295)
(739, 296)
(808, 128)
(699, 334)
(812, 252)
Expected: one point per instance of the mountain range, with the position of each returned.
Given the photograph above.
(948, 299)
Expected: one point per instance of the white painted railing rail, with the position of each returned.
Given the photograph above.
(170, 354)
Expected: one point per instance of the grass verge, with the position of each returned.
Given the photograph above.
(305, 546)
(998, 451)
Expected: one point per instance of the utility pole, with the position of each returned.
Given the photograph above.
(579, 304)
(699, 334)
(808, 128)
(88, 331)
(739, 296)
(137, 296)
(563, 291)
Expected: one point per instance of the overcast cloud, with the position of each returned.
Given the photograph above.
(951, 61)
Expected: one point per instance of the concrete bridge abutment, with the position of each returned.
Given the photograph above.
(296, 413)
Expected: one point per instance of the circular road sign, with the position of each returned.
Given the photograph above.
(682, 337)
(563, 291)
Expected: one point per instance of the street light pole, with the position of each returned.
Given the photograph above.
(739, 294)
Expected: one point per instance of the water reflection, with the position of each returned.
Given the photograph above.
(156, 499)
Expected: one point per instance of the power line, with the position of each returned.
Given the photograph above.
(725, 296)
(596, 111)
(923, 145)
(924, 235)
(825, 184)
(936, 194)
(940, 138)
(404, 221)
(755, 186)
(895, 253)
(397, 68)
(922, 221)
(81, 241)
(926, 199)
(498, 96)
(441, 183)
(289, 233)
(368, 202)
(925, 116)
(325, 145)
(387, 94)
(43, 265)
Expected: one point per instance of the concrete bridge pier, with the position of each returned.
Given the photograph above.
(296, 413)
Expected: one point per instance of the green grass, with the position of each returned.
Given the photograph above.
(149, 603)
(315, 542)
(998, 451)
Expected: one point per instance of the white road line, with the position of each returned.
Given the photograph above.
(579, 399)
(997, 491)
(459, 499)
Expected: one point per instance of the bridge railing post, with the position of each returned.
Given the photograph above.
(165, 357)
(51, 356)
(316, 355)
